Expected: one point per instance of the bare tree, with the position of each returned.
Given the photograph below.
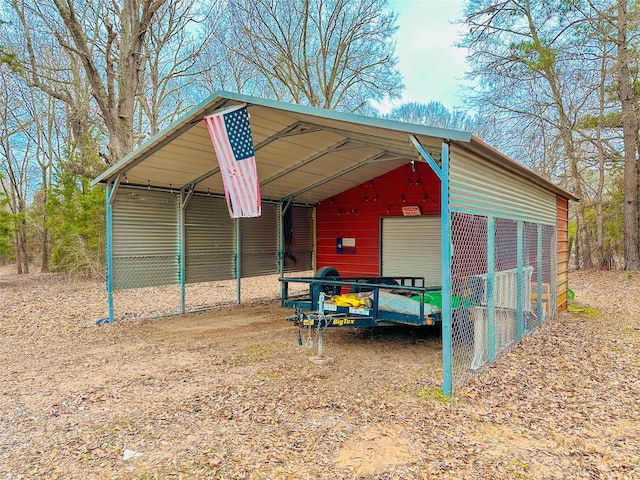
(107, 39)
(434, 114)
(336, 54)
(523, 50)
(171, 55)
(15, 167)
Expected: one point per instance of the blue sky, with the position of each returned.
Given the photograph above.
(432, 67)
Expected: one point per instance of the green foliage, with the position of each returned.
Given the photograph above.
(611, 120)
(612, 221)
(6, 228)
(534, 54)
(434, 393)
(8, 58)
(76, 223)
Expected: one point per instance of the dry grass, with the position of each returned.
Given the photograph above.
(229, 394)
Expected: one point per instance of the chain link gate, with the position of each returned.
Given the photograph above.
(501, 287)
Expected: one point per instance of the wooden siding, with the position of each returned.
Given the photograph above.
(562, 227)
(356, 214)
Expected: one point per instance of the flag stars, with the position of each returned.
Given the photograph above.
(239, 132)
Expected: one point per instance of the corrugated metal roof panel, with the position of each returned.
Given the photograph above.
(290, 139)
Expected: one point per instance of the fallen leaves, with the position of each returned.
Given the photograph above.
(229, 394)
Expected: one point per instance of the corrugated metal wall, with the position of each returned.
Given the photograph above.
(145, 238)
(356, 214)
(298, 250)
(259, 242)
(209, 240)
(480, 188)
(146, 242)
(411, 247)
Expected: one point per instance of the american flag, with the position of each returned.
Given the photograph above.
(233, 144)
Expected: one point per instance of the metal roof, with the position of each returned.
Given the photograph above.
(302, 153)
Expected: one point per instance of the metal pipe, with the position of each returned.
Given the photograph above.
(491, 298)
(109, 249)
(520, 327)
(445, 242)
(238, 262)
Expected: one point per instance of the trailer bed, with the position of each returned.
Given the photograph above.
(361, 302)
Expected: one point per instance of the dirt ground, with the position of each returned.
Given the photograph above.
(229, 394)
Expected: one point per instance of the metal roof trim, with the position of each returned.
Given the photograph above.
(220, 98)
(161, 138)
(384, 123)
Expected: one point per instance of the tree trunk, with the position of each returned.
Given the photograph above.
(46, 267)
(601, 167)
(548, 70)
(629, 134)
(18, 251)
(23, 244)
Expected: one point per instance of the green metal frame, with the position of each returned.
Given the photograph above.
(491, 298)
(520, 327)
(110, 195)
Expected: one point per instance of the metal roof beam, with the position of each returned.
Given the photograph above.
(337, 175)
(114, 190)
(202, 177)
(427, 156)
(290, 131)
(189, 194)
(389, 145)
(286, 207)
(285, 132)
(304, 162)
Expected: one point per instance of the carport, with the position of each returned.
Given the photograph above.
(167, 223)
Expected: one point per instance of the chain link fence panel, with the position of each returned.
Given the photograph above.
(143, 293)
(502, 288)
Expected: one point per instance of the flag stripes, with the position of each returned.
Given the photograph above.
(232, 142)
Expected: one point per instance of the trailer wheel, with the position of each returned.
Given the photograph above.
(330, 290)
(327, 272)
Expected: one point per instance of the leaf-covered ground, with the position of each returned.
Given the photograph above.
(229, 394)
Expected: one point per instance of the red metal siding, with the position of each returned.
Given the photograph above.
(356, 213)
(563, 252)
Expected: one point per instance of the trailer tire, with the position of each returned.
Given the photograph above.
(330, 290)
(327, 272)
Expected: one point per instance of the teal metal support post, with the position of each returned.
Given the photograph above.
(521, 285)
(238, 262)
(491, 298)
(109, 247)
(181, 251)
(539, 311)
(281, 212)
(445, 241)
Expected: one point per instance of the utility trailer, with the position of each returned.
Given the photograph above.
(332, 300)
(335, 301)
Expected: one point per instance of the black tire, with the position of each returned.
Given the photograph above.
(326, 272)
